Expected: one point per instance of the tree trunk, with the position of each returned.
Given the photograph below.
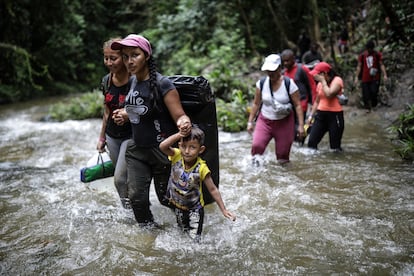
(279, 27)
(315, 29)
(248, 28)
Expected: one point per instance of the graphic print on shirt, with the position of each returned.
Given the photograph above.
(184, 187)
(112, 103)
(135, 107)
(370, 64)
(370, 61)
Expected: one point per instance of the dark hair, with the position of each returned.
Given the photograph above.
(196, 134)
(287, 53)
(153, 82)
(370, 44)
(332, 74)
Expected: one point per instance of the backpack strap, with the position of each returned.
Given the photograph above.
(106, 83)
(303, 78)
(287, 85)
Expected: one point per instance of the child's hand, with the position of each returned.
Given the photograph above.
(182, 133)
(229, 215)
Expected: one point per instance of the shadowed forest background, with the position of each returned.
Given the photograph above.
(54, 47)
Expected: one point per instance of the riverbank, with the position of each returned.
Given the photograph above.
(400, 95)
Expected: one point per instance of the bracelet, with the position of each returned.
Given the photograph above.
(102, 139)
(249, 123)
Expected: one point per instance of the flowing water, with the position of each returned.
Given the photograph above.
(324, 214)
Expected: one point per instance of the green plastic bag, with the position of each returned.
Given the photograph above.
(102, 169)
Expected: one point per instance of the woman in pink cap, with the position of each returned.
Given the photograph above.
(155, 112)
(326, 111)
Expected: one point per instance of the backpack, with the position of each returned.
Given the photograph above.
(105, 83)
(303, 78)
(198, 101)
(287, 86)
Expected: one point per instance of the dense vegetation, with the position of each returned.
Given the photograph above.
(54, 47)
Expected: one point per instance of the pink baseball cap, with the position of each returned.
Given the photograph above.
(133, 40)
(321, 67)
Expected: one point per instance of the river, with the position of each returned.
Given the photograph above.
(324, 214)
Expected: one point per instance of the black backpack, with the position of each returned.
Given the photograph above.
(198, 101)
(303, 78)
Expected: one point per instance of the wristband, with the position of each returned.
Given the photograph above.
(102, 139)
(249, 123)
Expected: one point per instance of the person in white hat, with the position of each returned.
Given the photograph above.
(274, 105)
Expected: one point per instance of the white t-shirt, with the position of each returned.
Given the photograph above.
(279, 95)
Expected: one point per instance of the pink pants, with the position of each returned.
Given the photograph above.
(283, 131)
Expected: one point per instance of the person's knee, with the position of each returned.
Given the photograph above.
(257, 149)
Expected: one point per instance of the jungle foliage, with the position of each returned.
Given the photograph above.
(55, 47)
(404, 128)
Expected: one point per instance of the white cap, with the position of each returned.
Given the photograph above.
(272, 62)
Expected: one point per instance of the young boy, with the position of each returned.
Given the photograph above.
(188, 172)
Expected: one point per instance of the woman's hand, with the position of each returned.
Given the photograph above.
(120, 116)
(184, 125)
(319, 77)
(250, 127)
(101, 145)
(301, 132)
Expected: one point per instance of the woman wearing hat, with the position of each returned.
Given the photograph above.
(274, 100)
(326, 111)
(155, 112)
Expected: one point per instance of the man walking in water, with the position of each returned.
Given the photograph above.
(300, 74)
(368, 70)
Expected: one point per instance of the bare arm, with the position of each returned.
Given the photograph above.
(254, 110)
(215, 193)
(166, 145)
(299, 112)
(313, 111)
(173, 103)
(329, 91)
(102, 138)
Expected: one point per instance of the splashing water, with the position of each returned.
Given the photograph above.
(324, 213)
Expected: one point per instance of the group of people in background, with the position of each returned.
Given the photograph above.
(144, 120)
(313, 99)
(268, 119)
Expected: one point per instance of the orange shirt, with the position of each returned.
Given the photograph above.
(330, 104)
